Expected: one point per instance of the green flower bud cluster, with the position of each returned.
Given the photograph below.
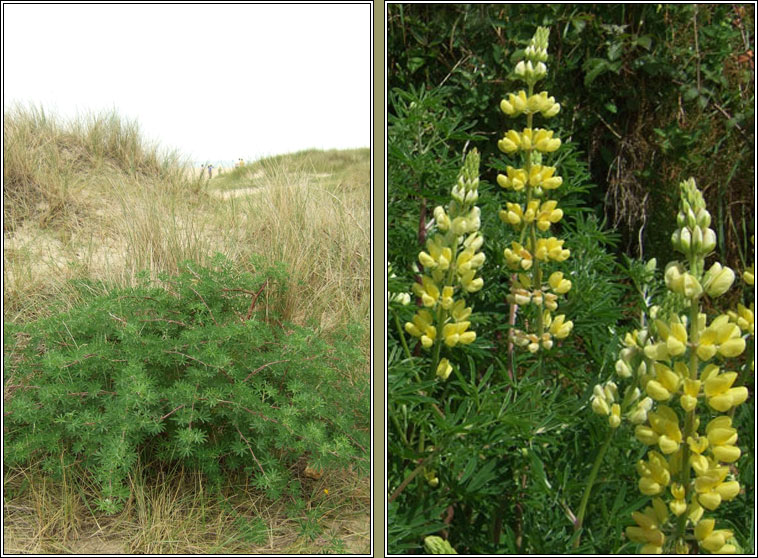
(451, 261)
(533, 213)
(693, 237)
(673, 362)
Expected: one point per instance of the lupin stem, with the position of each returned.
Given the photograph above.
(590, 482)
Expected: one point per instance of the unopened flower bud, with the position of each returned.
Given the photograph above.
(685, 240)
(703, 218)
(691, 219)
(681, 220)
(709, 242)
(615, 417)
(697, 239)
(443, 221)
(622, 369)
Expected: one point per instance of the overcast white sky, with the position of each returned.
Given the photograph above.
(214, 82)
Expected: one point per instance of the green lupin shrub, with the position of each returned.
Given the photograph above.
(186, 370)
(533, 212)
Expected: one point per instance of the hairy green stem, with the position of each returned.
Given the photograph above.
(590, 482)
(402, 336)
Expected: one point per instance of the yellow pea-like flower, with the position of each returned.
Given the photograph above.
(427, 291)
(749, 276)
(460, 312)
(718, 280)
(543, 141)
(688, 400)
(600, 406)
(518, 256)
(558, 283)
(719, 392)
(511, 142)
(560, 327)
(697, 444)
(676, 343)
(548, 214)
(515, 104)
(470, 283)
(514, 179)
(444, 369)
(447, 297)
(709, 500)
(641, 535)
(744, 319)
(422, 327)
(657, 391)
(455, 333)
(646, 435)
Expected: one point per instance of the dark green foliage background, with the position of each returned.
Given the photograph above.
(174, 371)
(651, 94)
(641, 110)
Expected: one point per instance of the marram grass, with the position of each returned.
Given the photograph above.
(89, 199)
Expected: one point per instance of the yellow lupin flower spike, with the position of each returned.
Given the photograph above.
(533, 214)
(451, 262)
(674, 360)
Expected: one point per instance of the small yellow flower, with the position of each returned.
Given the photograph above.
(748, 276)
(455, 333)
(422, 328)
(718, 280)
(431, 479)
(599, 402)
(511, 142)
(560, 328)
(558, 283)
(722, 337)
(713, 540)
(460, 312)
(517, 256)
(719, 392)
(543, 141)
(688, 400)
(548, 214)
(551, 249)
(515, 104)
(654, 474)
(615, 417)
(677, 506)
(444, 369)
(427, 291)
(665, 423)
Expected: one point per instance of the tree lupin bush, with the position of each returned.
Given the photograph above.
(534, 212)
(673, 361)
(451, 261)
(186, 371)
